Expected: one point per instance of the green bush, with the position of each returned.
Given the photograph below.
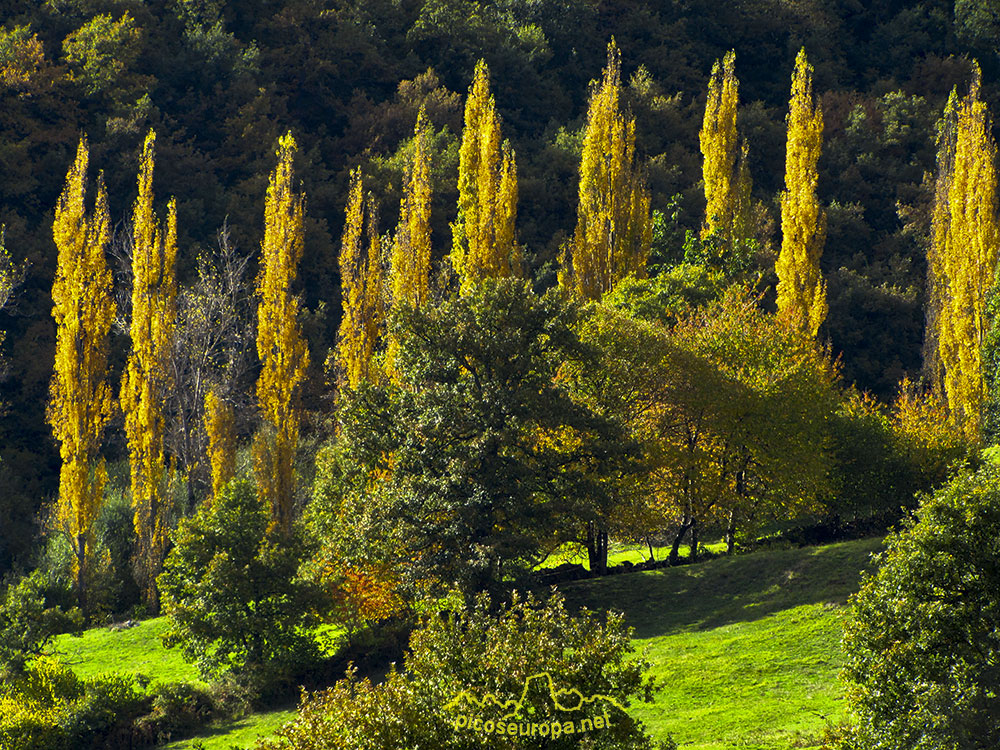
(47, 707)
(922, 643)
(233, 594)
(104, 715)
(178, 710)
(520, 652)
(29, 619)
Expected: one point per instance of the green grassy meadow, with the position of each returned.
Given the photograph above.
(746, 649)
(137, 650)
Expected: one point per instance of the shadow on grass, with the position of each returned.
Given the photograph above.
(728, 590)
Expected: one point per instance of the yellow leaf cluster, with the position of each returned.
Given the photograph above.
(220, 427)
(363, 319)
(483, 236)
(410, 261)
(613, 228)
(718, 141)
(80, 397)
(146, 378)
(963, 254)
(280, 344)
(801, 290)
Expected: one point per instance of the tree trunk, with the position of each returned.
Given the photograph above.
(693, 557)
(597, 548)
(81, 572)
(731, 533)
(686, 524)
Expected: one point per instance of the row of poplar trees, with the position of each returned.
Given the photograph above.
(82, 399)
(612, 241)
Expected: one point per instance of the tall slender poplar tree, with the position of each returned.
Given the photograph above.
(80, 397)
(410, 261)
(363, 319)
(280, 344)
(801, 289)
(720, 149)
(613, 226)
(963, 255)
(483, 236)
(220, 421)
(411, 249)
(154, 293)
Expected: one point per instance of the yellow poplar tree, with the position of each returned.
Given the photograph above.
(483, 237)
(410, 261)
(80, 396)
(613, 226)
(963, 257)
(801, 290)
(719, 148)
(940, 223)
(220, 427)
(154, 293)
(280, 345)
(363, 316)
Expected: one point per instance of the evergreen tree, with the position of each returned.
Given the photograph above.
(80, 396)
(144, 384)
(613, 226)
(220, 428)
(484, 243)
(963, 254)
(280, 345)
(801, 290)
(363, 318)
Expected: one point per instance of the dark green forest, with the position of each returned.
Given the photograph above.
(221, 81)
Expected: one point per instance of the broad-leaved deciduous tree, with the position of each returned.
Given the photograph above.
(281, 346)
(483, 238)
(362, 324)
(963, 255)
(613, 225)
(801, 289)
(80, 396)
(146, 378)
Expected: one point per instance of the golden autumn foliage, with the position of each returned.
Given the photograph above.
(963, 255)
(80, 397)
(411, 249)
(281, 346)
(410, 259)
(613, 226)
(801, 290)
(220, 427)
(146, 378)
(484, 242)
(719, 147)
(361, 279)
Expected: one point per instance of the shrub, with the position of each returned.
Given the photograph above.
(922, 644)
(47, 707)
(29, 620)
(511, 652)
(233, 594)
(178, 710)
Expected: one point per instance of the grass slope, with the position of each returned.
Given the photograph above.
(239, 733)
(137, 650)
(747, 649)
